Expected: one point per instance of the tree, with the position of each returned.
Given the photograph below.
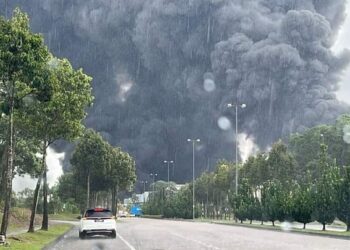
(305, 147)
(344, 199)
(244, 203)
(327, 188)
(273, 201)
(22, 60)
(281, 163)
(90, 161)
(70, 192)
(122, 173)
(59, 118)
(303, 203)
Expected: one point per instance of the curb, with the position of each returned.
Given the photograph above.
(59, 238)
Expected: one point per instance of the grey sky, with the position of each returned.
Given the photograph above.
(344, 42)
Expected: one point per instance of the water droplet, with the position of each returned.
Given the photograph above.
(286, 226)
(224, 123)
(209, 85)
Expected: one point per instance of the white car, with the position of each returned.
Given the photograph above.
(98, 221)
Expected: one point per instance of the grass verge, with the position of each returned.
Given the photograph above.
(152, 216)
(338, 234)
(66, 217)
(19, 219)
(37, 240)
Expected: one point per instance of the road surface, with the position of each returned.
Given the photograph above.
(149, 234)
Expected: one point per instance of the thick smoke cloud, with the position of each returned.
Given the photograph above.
(164, 70)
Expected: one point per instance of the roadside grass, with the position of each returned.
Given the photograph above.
(278, 227)
(64, 217)
(152, 216)
(37, 240)
(19, 219)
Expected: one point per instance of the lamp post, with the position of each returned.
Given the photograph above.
(154, 178)
(236, 106)
(168, 163)
(193, 201)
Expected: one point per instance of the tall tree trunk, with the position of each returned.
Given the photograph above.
(88, 191)
(116, 199)
(114, 209)
(45, 222)
(3, 172)
(348, 227)
(273, 223)
(323, 226)
(8, 173)
(34, 205)
(304, 226)
(96, 199)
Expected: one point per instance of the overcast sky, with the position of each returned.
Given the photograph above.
(344, 42)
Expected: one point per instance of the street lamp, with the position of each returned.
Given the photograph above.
(154, 178)
(193, 201)
(236, 106)
(168, 163)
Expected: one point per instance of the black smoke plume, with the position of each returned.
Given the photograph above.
(164, 70)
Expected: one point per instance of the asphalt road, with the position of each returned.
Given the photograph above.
(151, 234)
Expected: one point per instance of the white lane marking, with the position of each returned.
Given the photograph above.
(125, 242)
(197, 241)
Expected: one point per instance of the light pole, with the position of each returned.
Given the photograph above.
(154, 178)
(236, 106)
(193, 201)
(168, 163)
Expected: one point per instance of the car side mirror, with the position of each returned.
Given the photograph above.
(79, 217)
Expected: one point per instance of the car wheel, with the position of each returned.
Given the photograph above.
(82, 235)
(114, 234)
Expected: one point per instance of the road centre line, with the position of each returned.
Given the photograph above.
(196, 241)
(125, 242)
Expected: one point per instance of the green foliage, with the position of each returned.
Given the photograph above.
(305, 147)
(256, 169)
(23, 60)
(281, 163)
(91, 157)
(272, 200)
(344, 199)
(245, 204)
(169, 202)
(327, 190)
(61, 117)
(303, 203)
(97, 166)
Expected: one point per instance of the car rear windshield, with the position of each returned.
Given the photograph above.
(98, 214)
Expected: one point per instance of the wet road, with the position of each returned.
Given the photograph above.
(148, 234)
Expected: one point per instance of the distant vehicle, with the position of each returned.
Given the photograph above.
(136, 210)
(98, 221)
(122, 214)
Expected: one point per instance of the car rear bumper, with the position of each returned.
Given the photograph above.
(99, 232)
